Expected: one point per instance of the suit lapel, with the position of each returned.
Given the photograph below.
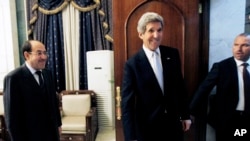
(234, 75)
(144, 64)
(28, 77)
(166, 62)
(145, 68)
(46, 79)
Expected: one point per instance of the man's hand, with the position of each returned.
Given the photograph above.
(186, 124)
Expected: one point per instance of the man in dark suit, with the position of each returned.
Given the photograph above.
(31, 106)
(152, 109)
(229, 110)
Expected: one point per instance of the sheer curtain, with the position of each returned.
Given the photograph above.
(8, 39)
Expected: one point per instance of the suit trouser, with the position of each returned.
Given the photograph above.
(163, 129)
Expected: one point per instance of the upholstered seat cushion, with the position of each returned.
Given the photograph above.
(74, 123)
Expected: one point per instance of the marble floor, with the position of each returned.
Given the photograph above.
(105, 134)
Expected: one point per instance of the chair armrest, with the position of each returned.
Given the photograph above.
(3, 128)
(90, 116)
(92, 123)
(91, 112)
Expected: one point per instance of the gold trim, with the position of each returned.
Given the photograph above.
(33, 20)
(30, 31)
(118, 104)
(101, 12)
(105, 25)
(54, 11)
(87, 8)
(34, 7)
(109, 38)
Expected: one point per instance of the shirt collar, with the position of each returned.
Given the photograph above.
(32, 70)
(239, 62)
(149, 52)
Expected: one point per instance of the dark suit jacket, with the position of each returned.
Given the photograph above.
(224, 76)
(31, 115)
(143, 103)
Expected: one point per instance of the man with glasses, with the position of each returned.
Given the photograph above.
(30, 100)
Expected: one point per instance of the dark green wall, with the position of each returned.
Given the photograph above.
(21, 25)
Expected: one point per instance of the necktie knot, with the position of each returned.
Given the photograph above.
(39, 73)
(245, 64)
(156, 53)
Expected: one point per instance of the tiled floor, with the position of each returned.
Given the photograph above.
(106, 134)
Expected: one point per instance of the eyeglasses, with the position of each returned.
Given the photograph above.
(39, 53)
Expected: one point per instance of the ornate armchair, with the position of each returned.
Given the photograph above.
(79, 115)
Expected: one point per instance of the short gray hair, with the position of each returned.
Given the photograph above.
(146, 18)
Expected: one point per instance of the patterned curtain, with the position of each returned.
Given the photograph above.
(70, 28)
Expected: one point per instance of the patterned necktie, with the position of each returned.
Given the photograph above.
(246, 79)
(158, 69)
(39, 73)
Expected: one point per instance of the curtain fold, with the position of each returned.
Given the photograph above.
(86, 44)
(55, 49)
(71, 39)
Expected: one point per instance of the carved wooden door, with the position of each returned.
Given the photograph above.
(181, 31)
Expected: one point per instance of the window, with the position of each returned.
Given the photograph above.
(8, 38)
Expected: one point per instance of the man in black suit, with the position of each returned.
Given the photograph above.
(152, 109)
(229, 110)
(31, 106)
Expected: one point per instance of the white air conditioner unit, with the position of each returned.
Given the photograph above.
(100, 72)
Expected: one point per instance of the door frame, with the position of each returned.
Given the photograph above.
(204, 7)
